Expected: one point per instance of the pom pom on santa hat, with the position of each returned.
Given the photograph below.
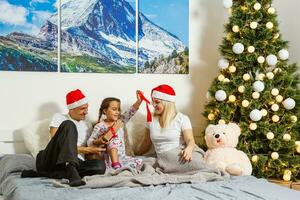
(75, 99)
(164, 92)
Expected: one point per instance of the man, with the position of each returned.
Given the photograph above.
(64, 156)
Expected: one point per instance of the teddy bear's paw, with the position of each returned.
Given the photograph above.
(234, 169)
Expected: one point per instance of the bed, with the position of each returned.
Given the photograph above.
(20, 156)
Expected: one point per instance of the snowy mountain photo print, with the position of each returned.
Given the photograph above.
(28, 41)
(98, 36)
(163, 31)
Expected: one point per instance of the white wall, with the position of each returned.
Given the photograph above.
(29, 96)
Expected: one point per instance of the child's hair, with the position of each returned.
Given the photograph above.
(168, 114)
(105, 104)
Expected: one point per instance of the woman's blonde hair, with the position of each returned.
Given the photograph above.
(168, 114)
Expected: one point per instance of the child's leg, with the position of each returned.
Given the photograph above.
(113, 154)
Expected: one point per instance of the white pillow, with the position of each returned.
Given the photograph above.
(135, 129)
(36, 136)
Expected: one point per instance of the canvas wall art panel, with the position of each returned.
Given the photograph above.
(28, 35)
(163, 33)
(98, 36)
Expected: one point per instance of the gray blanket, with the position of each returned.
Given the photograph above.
(166, 168)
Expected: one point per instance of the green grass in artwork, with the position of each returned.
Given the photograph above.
(85, 63)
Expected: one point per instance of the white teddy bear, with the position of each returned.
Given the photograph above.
(221, 140)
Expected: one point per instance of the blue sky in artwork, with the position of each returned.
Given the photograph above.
(25, 16)
(172, 15)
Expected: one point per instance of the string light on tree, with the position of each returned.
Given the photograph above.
(286, 177)
(275, 107)
(260, 77)
(253, 25)
(298, 148)
(274, 91)
(283, 54)
(260, 59)
(245, 103)
(269, 25)
(221, 77)
(271, 10)
(226, 80)
(251, 49)
(270, 75)
(211, 116)
(255, 95)
(246, 77)
(232, 69)
(231, 98)
(289, 103)
(241, 89)
(222, 121)
(235, 28)
(275, 118)
(279, 98)
(276, 36)
(257, 6)
(254, 158)
(274, 155)
(264, 112)
(270, 135)
(277, 70)
(294, 119)
(286, 137)
(253, 126)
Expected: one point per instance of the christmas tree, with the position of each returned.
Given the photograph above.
(258, 89)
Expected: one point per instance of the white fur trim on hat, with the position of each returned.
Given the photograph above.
(78, 103)
(163, 96)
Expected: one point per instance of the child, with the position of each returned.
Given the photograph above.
(110, 107)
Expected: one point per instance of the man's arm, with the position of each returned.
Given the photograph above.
(90, 150)
(52, 131)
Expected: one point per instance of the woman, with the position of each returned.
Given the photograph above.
(169, 129)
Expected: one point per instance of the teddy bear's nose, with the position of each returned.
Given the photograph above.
(217, 136)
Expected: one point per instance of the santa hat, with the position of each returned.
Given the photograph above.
(75, 99)
(164, 92)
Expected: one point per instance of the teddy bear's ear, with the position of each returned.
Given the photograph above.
(209, 129)
(235, 127)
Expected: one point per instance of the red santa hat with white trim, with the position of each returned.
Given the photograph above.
(164, 92)
(75, 99)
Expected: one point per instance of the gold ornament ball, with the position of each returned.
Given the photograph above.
(245, 103)
(254, 158)
(211, 116)
(286, 137)
(222, 121)
(251, 49)
(257, 6)
(253, 25)
(246, 77)
(277, 70)
(293, 118)
(270, 135)
(274, 91)
(274, 155)
(279, 98)
(260, 59)
(275, 107)
(270, 75)
(269, 25)
(232, 98)
(253, 126)
(241, 89)
(286, 177)
(271, 103)
(271, 10)
(255, 95)
(264, 112)
(221, 77)
(232, 69)
(288, 172)
(235, 28)
(275, 118)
